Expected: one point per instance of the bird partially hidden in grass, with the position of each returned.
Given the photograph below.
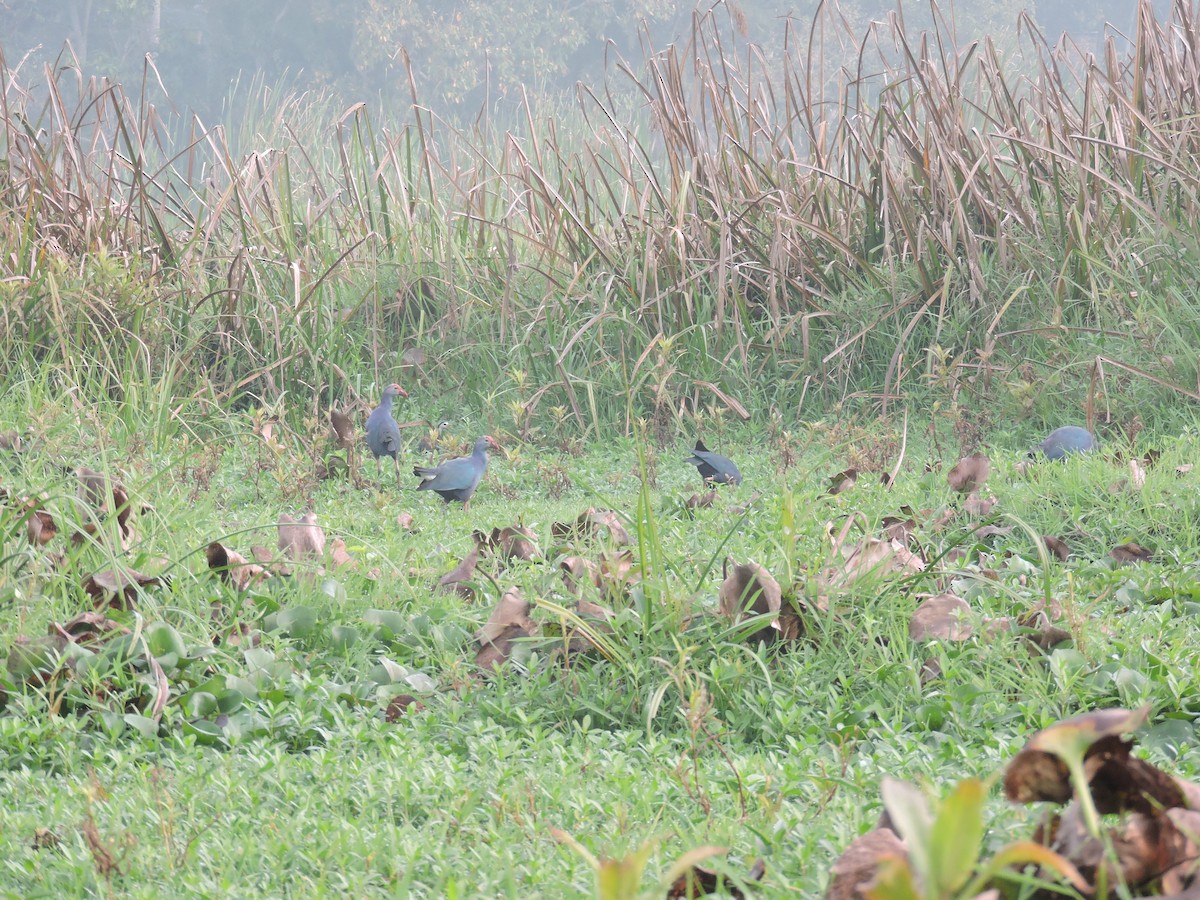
(1064, 441)
(432, 439)
(457, 479)
(713, 467)
(383, 434)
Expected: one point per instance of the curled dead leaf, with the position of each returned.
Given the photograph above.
(118, 588)
(508, 622)
(842, 481)
(701, 501)
(592, 524)
(344, 432)
(1056, 546)
(970, 473)
(458, 580)
(941, 617)
(301, 538)
(977, 506)
(233, 567)
(1131, 552)
(853, 874)
(750, 590)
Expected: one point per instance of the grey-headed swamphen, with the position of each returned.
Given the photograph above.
(714, 468)
(431, 439)
(1064, 441)
(456, 479)
(383, 434)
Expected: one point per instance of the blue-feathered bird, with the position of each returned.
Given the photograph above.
(457, 479)
(713, 467)
(1064, 441)
(383, 434)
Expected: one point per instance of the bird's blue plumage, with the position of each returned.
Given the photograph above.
(713, 467)
(456, 479)
(1066, 440)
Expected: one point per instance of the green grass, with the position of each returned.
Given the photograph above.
(685, 733)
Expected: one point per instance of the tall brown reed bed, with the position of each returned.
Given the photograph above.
(873, 213)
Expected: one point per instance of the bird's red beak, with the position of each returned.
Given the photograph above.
(399, 390)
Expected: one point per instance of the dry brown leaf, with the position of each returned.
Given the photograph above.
(872, 557)
(592, 524)
(402, 705)
(118, 588)
(978, 506)
(854, 871)
(301, 538)
(10, 440)
(508, 622)
(1056, 546)
(338, 554)
(234, 567)
(576, 571)
(941, 617)
(1131, 552)
(970, 473)
(750, 590)
(344, 432)
(405, 521)
(842, 481)
(101, 497)
(457, 580)
(701, 501)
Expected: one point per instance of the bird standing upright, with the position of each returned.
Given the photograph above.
(713, 467)
(457, 479)
(383, 434)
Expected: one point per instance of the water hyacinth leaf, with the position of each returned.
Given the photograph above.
(957, 836)
(388, 623)
(908, 808)
(144, 725)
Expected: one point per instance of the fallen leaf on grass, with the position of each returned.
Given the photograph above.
(592, 524)
(511, 542)
(970, 473)
(301, 538)
(750, 590)
(842, 481)
(118, 588)
(405, 521)
(853, 874)
(1131, 552)
(101, 497)
(458, 580)
(338, 554)
(234, 567)
(400, 706)
(941, 617)
(701, 501)
(977, 506)
(508, 622)
(1056, 546)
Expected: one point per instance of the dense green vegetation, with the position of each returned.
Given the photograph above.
(880, 267)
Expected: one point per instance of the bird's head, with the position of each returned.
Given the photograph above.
(491, 442)
(394, 390)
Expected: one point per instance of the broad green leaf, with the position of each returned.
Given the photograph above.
(957, 835)
(909, 809)
(893, 881)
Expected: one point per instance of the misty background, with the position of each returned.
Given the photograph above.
(464, 55)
